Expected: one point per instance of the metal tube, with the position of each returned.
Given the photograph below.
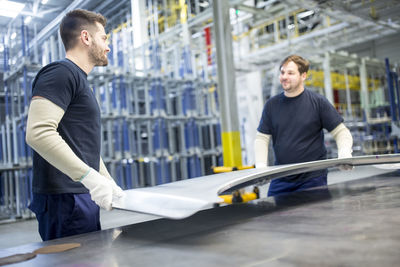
(17, 193)
(327, 78)
(226, 85)
(35, 46)
(396, 89)
(4, 145)
(391, 98)
(53, 52)
(348, 96)
(364, 88)
(15, 141)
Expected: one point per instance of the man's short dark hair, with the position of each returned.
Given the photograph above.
(74, 22)
(302, 64)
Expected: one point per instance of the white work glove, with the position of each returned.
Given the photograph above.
(343, 153)
(101, 189)
(117, 191)
(260, 165)
(261, 144)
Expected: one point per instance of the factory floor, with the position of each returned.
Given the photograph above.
(25, 231)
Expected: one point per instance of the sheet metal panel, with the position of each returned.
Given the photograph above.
(184, 198)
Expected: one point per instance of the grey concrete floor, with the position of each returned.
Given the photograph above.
(25, 231)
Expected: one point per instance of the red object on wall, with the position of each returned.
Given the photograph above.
(336, 99)
(207, 32)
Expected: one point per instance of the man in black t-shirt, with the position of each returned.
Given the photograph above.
(63, 128)
(295, 120)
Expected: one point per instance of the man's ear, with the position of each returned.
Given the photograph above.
(85, 37)
(304, 76)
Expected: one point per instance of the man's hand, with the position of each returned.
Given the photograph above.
(101, 189)
(117, 191)
(260, 165)
(344, 142)
(345, 154)
(261, 144)
(346, 167)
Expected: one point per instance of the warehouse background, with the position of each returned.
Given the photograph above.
(160, 96)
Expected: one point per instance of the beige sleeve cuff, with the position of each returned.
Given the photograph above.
(261, 144)
(43, 137)
(344, 141)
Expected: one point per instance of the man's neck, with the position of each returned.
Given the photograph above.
(295, 93)
(81, 60)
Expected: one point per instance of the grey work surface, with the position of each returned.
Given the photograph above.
(351, 224)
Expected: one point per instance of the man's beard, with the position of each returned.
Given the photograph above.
(292, 87)
(96, 56)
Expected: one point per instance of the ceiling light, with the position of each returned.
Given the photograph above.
(1, 48)
(204, 4)
(13, 35)
(44, 2)
(10, 9)
(27, 19)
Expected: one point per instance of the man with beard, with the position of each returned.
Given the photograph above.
(295, 120)
(63, 128)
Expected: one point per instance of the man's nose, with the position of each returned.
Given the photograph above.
(108, 49)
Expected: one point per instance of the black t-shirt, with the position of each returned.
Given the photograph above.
(296, 125)
(66, 85)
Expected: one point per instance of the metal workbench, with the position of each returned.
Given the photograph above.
(356, 223)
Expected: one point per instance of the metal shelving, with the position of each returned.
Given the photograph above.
(160, 117)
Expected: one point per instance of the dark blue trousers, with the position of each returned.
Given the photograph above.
(61, 215)
(279, 186)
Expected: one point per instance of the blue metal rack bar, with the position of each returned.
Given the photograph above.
(159, 171)
(123, 96)
(393, 109)
(21, 141)
(194, 169)
(119, 175)
(127, 174)
(15, 142)
(117, 139)
(109, 140)
(114, 96)
(16, 187)
(2, 146)
(135, 174)
(120, 54)
(24, 54)
(111, 55)
(125, 139)
(396, 88)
